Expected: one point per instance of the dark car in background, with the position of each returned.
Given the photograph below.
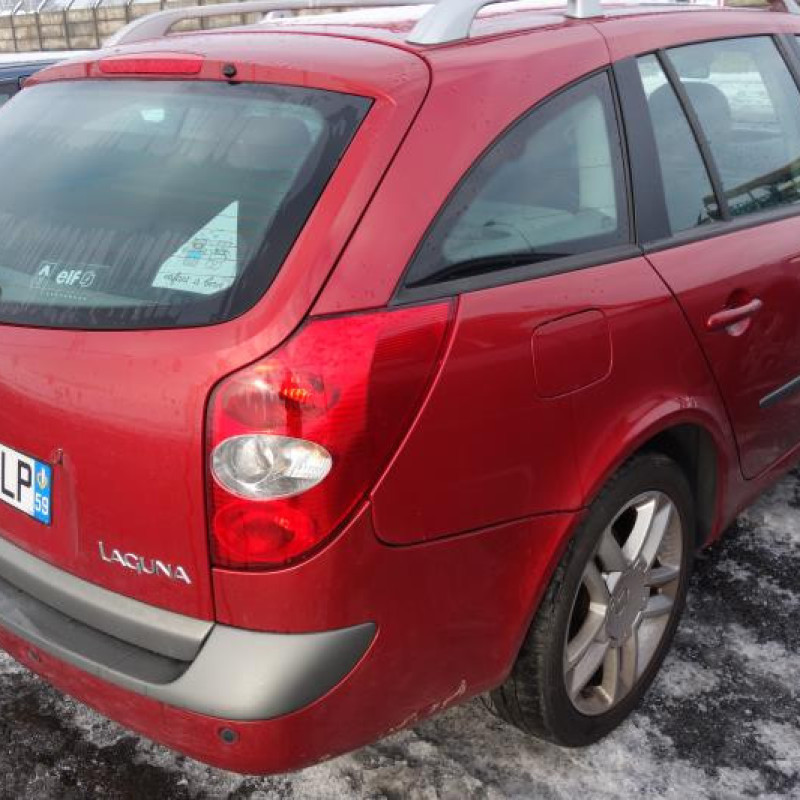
(16, 67)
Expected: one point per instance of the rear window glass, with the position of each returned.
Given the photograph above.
(134, 204)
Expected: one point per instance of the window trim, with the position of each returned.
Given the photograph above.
(714, 229)
(697, 131)
(405, 294)
(650, 215)
(789, 47)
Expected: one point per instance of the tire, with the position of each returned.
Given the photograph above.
(555, 656)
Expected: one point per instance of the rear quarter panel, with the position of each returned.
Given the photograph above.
(488, 447)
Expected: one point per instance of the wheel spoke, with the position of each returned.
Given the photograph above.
(657, 606)
(644, 517)
(629, 661)
(661, 576)
(612, 688)
(584, 670)
(583, 639)
(652, 521)
(596, 586)
(610, 553)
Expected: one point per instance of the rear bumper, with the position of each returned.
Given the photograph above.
(215, 670)
(448, 616)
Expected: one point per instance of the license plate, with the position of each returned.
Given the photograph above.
(25, 484)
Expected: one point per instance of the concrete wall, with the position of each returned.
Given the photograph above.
(85, 28)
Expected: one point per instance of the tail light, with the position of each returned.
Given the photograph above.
(296, 440)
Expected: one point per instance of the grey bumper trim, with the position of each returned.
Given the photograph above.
(164, 632)
(244, 675)
(236, 674)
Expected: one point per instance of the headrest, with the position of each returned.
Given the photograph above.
(712, 107)
(708, 101)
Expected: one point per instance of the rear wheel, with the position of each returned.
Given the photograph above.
(610, 611)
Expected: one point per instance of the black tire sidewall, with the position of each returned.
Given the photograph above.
(562, 721)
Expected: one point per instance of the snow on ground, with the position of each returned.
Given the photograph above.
(722, 721)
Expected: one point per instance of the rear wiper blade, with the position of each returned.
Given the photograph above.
(475, 266)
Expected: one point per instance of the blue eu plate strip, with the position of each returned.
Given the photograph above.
(42, 485)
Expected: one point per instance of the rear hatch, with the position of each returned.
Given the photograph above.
(156, 235)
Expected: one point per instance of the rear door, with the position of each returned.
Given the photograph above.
(726, 122)
(155, 236)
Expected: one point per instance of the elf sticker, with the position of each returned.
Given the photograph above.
(68, 280)
(206, 264)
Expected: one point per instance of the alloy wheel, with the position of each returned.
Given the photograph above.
(624, 603)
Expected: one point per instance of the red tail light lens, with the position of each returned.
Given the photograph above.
(296, 440)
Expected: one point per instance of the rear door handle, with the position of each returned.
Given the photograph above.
(731, 316)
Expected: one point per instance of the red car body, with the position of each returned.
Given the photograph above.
(529, 395)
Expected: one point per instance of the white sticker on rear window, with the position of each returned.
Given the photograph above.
(206, 264)
(63, 282)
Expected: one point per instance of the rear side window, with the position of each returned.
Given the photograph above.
(688, 192)
(157, 204)
(749, 109)
(550, 188)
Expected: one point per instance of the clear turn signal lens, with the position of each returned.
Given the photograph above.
(263, 466)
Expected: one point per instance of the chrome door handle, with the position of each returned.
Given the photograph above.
(731, 316)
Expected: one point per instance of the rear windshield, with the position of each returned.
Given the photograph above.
(143, 204)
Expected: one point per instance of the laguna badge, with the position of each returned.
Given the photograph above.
(144, 566)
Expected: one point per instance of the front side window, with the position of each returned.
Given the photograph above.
(749, 109)
(131, 204)
(550, 188)
(688, 193)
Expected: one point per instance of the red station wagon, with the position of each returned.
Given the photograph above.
(348, 371)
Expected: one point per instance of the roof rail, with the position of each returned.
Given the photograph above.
(451, 20)
(446, 21)
(154, 26)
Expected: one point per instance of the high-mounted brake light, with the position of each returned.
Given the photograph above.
(151, 64)
(296, 440)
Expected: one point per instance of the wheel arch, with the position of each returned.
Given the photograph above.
(692, 447)
(699, 446)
